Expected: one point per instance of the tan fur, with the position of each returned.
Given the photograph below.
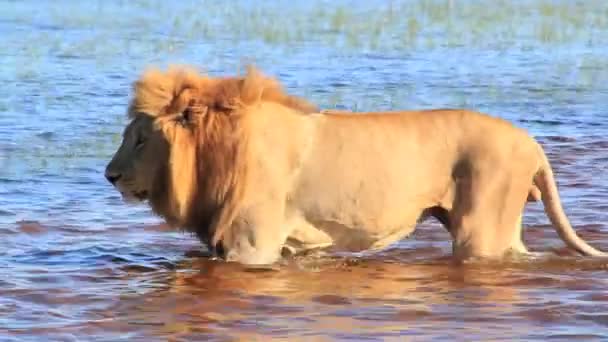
(252, 170)
(533, 196)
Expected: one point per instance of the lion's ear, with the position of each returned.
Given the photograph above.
(191, 112)
(253, 85)
(183, 105)
(182, 100)
(185, 117)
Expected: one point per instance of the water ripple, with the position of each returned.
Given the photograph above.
(78, 263)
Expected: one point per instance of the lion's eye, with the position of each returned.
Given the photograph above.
(140, 142)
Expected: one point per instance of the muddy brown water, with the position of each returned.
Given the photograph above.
(411, 291)
(78, 264)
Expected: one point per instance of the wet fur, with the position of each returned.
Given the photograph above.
(251, 169)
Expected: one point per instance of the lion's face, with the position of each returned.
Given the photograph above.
(138, 165)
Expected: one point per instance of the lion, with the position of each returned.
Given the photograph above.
(257, 174)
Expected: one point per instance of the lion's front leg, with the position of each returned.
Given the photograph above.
(256, 236)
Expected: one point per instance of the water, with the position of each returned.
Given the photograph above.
(76, 263)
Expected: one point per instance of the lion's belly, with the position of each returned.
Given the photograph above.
(344, 235)
(365, 187)
(358, 218)
(334, 236)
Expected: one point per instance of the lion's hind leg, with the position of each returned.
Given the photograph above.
(486, 216)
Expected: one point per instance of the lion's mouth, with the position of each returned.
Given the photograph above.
(140, 195)
(134, 196)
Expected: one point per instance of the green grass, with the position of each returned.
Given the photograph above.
(396, 25)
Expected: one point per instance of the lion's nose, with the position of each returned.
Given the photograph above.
(112, 177)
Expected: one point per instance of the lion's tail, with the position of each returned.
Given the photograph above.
(545, 181)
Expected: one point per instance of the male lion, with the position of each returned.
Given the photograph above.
(254, 171)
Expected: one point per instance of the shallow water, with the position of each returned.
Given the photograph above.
(76, 263)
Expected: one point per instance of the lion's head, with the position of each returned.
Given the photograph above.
(140, 160)
(185, 147)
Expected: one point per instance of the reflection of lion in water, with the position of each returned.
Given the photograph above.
(251, 170)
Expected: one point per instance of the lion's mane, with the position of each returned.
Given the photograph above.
(207, 133)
